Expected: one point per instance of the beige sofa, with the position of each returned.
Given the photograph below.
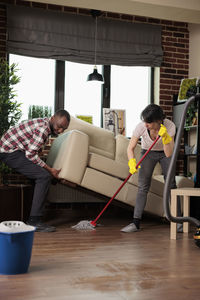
(91, 157)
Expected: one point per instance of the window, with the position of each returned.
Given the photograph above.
(82, 97)
(130, 90)
(37, 84)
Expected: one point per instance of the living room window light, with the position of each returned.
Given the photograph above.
(130, 91)
(129, 88)
(82, 97)
(37, 83)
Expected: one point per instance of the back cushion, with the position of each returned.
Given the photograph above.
(121, 152)
(121, 149)
(101, 141)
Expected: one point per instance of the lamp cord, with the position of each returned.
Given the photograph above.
(95, 45)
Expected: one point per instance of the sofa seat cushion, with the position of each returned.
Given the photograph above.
(182, 181)
(104, 184)
(157, 183)
(108, 166)
(154, 203)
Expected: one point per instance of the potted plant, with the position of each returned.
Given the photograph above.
(11, 196)
(10, 109)
(191, 116)
(189, 175)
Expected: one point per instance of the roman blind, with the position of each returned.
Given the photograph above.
(64, 36)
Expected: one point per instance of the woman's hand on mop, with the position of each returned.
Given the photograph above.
(132, 166)
(166, 138)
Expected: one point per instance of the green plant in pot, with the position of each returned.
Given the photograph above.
(192, 110)
(189, 175)
(10, 109)
(190, 115)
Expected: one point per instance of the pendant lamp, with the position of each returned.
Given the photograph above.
(95, 76)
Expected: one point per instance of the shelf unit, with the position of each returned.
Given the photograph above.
(190, 133)
(188, 130)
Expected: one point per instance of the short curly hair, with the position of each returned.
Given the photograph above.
(152, 113)
(63, 113)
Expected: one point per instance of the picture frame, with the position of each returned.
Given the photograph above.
(186, 83)
(88, 119)
(115, 120)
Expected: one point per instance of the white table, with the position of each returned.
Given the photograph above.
(185, 193)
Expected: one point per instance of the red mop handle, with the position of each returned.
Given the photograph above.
(121, 186)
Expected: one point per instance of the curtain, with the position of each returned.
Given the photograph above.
(63, 36)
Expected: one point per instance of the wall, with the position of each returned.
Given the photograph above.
(194, 50)
(175, 41)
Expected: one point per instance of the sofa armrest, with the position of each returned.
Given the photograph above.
(69, 152)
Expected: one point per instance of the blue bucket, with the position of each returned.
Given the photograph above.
(16, 241)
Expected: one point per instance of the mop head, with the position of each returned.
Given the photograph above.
(84, 225)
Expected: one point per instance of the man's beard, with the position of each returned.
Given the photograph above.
(53, 133)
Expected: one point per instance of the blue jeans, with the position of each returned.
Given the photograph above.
(144, 179)
(18, 161)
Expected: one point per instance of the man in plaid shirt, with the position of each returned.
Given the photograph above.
(19, 148)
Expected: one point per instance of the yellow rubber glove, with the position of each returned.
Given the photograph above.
(132, 166)
(166, 138)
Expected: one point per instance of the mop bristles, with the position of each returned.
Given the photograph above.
(84, 225)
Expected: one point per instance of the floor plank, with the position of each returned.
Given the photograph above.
(108, 264)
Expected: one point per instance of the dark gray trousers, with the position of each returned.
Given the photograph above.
(144, 179)
(18, 161)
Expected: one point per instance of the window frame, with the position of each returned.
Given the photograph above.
(59, 97)
(105, 90)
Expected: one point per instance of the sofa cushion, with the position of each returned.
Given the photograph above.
(121, 148)
(154, 203)
(121, 154)
(157, 183)
(182, 181)
(100, 152)
(101, 141)
(103, 184)
(108, 166)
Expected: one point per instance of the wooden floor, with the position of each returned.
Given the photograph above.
(108, 264)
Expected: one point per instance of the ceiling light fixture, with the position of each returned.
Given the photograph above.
(95, 76)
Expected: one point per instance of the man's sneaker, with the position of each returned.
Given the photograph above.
(130, 228)
(42, 227)
(180, 228)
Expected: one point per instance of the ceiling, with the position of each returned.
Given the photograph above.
(175, 10)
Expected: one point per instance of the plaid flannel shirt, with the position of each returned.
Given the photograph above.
(29, 137)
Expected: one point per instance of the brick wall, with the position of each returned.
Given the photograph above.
(175, 41)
